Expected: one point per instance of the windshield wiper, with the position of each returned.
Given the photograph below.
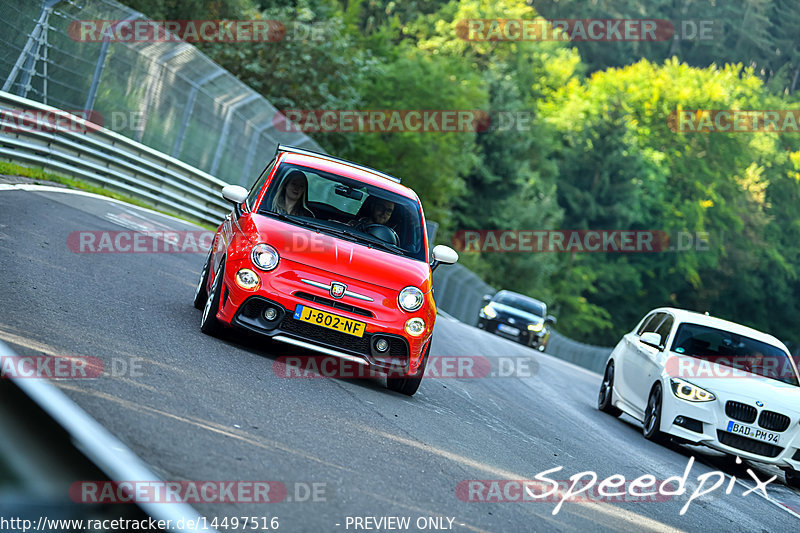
(384, 245)
(349, 235)
(292, 218)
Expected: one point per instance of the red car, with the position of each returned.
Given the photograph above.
(330, 256)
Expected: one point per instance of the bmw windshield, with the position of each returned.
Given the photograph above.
(735, 351)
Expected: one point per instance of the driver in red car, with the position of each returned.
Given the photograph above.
(378, 211)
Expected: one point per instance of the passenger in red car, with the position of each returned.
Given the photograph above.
(293, 195)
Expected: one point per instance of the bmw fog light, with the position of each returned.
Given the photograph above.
(270, 313)
(415, 327)
(382, 345)
(247, 279)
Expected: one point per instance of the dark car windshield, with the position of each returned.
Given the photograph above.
(344, 207)
(735, 351)
(517, 301)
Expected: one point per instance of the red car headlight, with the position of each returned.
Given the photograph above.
(410, 299)
(264, 256)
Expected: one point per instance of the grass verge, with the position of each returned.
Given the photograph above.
(41, 177)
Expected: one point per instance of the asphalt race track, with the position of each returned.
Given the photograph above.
(202, 408)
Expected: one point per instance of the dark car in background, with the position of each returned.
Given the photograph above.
(517, 317)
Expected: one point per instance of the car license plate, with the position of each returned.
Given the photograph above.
(329, 320)
(753, 433)
(507, 329)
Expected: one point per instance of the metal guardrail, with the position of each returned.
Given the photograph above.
(459, 292)
(107, 159)
(587, 356)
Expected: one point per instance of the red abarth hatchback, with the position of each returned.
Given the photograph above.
(330, 256)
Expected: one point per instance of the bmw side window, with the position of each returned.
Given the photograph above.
(253, 194)
(664, 327)
(649, 323)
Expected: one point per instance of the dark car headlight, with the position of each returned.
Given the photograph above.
(488, 312)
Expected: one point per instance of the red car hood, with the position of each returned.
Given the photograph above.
(340, 257)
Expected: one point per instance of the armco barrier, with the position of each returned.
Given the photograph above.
(459, 292)
(112, 161)
(585, 355)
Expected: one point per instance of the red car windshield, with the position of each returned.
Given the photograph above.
(346, 208)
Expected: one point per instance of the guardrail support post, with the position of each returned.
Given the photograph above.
(98, 71)
(187, 111)
(226, 128)
(251, 150)
(26, 61)
(154, 77)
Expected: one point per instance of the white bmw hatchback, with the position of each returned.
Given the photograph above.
(704, 380)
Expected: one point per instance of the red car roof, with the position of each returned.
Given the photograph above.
(343, 169)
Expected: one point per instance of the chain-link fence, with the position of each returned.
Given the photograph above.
(166, 95)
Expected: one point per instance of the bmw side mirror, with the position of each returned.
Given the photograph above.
(550, 319)
(443, 255)
(651, 338)
(487, 298)
(235, 194)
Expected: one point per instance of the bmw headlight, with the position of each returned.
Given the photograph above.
(264, 256)
(488, 312)
(536, 326)
(410, 299)
(690, 392)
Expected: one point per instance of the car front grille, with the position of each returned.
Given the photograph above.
(334, 304)
(398, 348)
(740, 411)
(749, 445)
(773, 421)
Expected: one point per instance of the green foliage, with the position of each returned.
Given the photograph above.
(599, 152)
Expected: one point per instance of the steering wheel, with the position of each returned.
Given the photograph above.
(384, 233)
